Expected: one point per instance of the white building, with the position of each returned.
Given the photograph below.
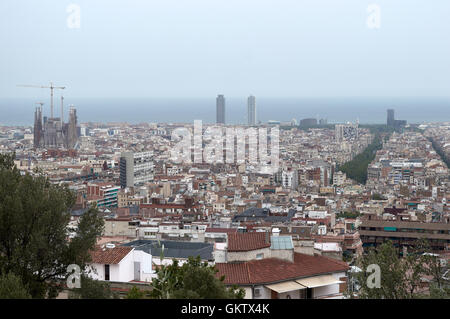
(345, 132)
(289, 179)
(339, 178)
(121, 264)
(136, 168)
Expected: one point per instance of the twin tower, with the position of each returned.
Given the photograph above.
(251, 110)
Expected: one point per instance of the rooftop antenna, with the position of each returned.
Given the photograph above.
(51, 87)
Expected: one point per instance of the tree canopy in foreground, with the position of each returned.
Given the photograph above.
(34, 244)
(193, 280)
(401, 278)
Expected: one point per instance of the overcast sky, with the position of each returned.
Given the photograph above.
(201, 48)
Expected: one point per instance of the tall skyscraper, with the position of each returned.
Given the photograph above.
(390, 117)
(251, 110)
(220, 109)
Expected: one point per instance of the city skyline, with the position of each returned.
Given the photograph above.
(209, 150)
(368, 111)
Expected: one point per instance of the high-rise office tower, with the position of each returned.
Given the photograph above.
(251, 110)
(136, 168)
(220, 109)
(390, 117)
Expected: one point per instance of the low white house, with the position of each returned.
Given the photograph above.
(121, 264)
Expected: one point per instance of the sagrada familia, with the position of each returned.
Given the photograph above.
(53, 132)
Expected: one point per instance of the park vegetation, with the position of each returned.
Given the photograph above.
(356, 169)
(35, 250)
(400, 277)
(193, 280)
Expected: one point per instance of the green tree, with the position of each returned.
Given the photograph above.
(11, 287)
(34, 244)
(348, 215)
(400, 277)
(192, 280)
(92, 289)
(135, 293)
(356, 169)
(437, 292)
(378, 197)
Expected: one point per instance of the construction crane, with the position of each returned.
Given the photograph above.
(51, 87)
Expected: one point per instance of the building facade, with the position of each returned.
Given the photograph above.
(136, 168)
(53, 132)
(220, 109)
(374, 231)
(251, 110)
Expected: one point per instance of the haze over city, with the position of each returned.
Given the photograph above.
(183, 150)
(201, 48)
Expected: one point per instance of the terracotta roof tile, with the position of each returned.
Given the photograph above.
(109, 255)
(274, 270)
(247, 241)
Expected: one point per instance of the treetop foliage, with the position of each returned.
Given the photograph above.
(356, 169)
(34, 244)
(193, 280)
(401, 278)
(11, 287)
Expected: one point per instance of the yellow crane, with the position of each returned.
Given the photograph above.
(51, 87)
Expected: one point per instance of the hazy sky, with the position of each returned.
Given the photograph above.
(201, 48)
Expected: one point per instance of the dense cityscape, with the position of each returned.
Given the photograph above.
(297, 232)
(222, 159)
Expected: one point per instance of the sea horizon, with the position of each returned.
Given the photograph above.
(366, 110)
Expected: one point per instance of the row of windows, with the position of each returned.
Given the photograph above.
(412, 240)
(407, 230)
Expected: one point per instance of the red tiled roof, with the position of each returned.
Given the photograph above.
(247, 241)
(109, 255)
(274, 270)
